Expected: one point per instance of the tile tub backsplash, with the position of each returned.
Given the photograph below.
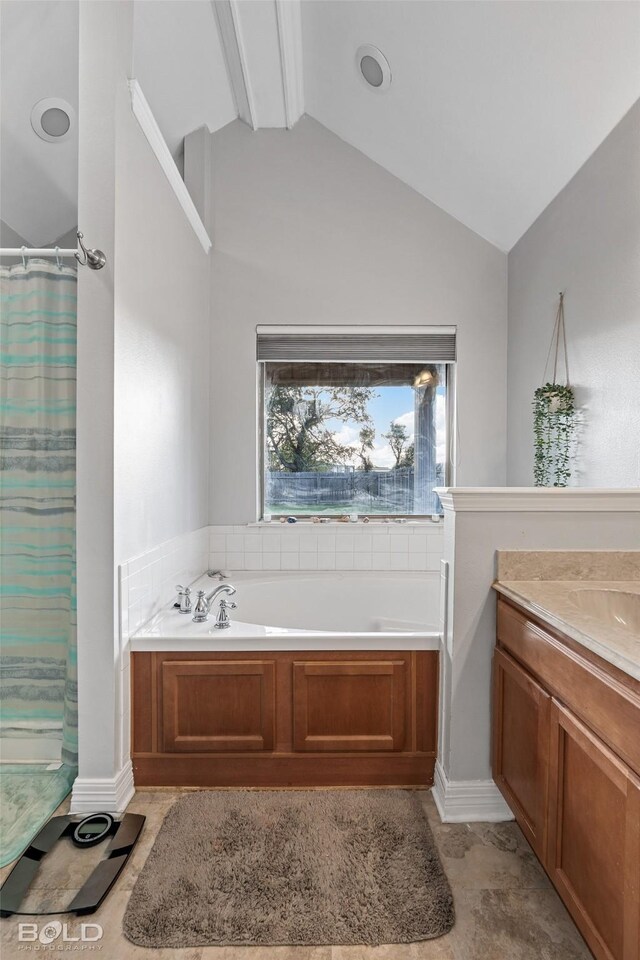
(331, 546)
(148, 582)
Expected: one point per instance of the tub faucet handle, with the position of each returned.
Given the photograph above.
(222, 617)
(201, 609)
(184, 599)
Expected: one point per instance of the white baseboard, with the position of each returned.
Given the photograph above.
(108, 795)
(464, 801)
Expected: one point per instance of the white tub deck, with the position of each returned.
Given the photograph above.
(307, 611)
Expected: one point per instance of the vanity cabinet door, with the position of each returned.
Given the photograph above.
(350, 706)
(521, 746)
(210, 706)
(594, 837)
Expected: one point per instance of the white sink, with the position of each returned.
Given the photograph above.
(616, 608)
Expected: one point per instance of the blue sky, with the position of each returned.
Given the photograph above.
(391, 404)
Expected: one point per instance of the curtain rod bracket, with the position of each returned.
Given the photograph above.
(94, 259)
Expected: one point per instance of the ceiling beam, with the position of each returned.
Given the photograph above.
(264, 54)
(290, 40)
(228, 17)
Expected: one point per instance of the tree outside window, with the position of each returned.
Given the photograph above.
(353, 437)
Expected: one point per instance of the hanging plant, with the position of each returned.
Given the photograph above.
(554, 417)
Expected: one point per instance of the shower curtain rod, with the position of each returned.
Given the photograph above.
(95, 259)
(37, 252)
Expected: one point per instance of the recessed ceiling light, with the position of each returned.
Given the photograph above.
(373, 67)
(53, 119)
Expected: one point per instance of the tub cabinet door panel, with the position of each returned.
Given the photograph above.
(521, 746)
(212, 707)
(342, 706)
(594, 837)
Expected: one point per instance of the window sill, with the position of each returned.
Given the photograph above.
(357, 525)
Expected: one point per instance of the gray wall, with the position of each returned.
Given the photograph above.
(308, 230)
(470, 546)
(9, 238)
(587, 243)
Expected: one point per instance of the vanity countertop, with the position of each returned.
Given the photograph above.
(552, 601)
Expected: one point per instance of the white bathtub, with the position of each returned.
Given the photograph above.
(309, 611)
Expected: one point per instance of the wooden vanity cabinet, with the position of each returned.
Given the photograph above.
(313, 718)
(566, 756)
(521, 746)
(593, 855)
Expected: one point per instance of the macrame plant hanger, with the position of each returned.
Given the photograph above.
(559, 331)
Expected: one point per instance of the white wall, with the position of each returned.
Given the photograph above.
(143, 395)
(162, 345)
(105, 44)
(587, 243)
(308, 230)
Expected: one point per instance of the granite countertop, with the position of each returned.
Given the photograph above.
(552, 601)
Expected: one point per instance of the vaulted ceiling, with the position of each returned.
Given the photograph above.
(492, 108)
(38, 59)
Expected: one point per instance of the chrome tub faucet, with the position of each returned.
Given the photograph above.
(204, 601)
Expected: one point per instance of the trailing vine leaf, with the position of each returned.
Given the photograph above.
(554, 425)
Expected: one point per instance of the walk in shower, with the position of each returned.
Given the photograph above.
(38, 714)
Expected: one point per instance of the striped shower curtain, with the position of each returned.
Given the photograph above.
(37, 506)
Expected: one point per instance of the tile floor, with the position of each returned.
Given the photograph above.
(506, 908)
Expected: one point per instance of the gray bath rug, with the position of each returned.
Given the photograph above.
(298, 868)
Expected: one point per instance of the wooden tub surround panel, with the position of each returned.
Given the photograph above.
(321, 718)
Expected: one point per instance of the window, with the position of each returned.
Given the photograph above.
(342, 436)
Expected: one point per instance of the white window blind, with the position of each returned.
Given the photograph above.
(356, 344)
